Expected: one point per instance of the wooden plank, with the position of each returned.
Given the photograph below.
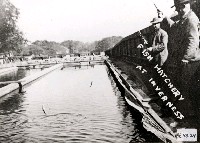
(9, 82)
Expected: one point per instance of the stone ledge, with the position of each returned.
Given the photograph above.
(14, 86)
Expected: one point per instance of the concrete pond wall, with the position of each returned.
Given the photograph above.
(14, 86)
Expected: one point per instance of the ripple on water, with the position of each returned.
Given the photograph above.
(64, 107)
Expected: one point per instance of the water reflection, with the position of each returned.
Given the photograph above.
(75, 110)
(10, 104)
(131, 119)
(11, 116)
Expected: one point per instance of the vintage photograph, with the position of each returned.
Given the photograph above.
(99, 71)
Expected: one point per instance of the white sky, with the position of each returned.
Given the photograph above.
(85, 20)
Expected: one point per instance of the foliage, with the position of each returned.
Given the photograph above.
(43, 48)
(32, 49)
(107, 43)
(52, 48)
(96, 46)
(10, 35)
(77, 46)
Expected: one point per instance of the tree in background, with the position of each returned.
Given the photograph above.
(52, 48)
(107, 43)
(10, 36)
(96, 46)
(73, 46)
(44, 47)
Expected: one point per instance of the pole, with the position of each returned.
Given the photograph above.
(158, 10)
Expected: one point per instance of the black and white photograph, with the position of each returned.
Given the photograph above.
(99, 71)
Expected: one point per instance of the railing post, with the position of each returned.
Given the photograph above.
(20, 87)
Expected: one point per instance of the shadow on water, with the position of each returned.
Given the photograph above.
(12, 117)
(10, 103)
(137, 133)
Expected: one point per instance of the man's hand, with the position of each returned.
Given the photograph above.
(149, 49)
(184, 62)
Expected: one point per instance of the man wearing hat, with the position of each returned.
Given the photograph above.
(159, 44)
(185, 33)
(185, 55)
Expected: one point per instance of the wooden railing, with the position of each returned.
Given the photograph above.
(18, 81)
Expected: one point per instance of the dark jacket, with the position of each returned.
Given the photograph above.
(159, 46)
(185, 39)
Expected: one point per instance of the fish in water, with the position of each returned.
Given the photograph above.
(91, 84)
(62, 68)
(43, 109)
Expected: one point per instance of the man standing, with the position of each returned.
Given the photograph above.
(159, 45)
(186, 38)
(185, 55)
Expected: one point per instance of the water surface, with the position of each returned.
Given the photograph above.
(71, 105)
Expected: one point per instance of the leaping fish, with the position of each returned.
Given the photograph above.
(43, 110)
